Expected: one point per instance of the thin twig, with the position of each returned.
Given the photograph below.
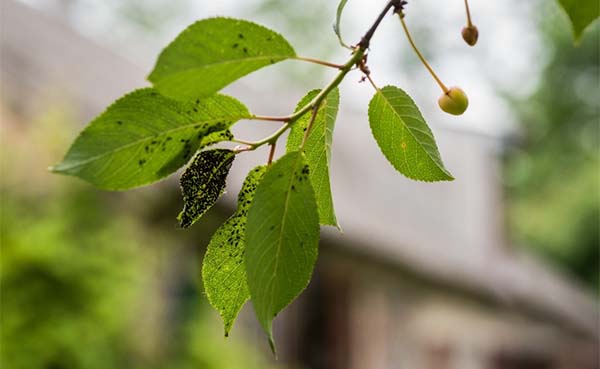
(366, 39)
(357, 56)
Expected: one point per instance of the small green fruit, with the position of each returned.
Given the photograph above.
(470, 34)
(454, 101)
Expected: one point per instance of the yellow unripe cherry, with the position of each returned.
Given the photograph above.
(454, 101)
(470, 34)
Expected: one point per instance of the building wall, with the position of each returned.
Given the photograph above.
(359, 313)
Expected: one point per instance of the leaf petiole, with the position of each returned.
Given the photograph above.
(320, 62)
(268, 118)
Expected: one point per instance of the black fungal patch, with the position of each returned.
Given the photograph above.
(203, 182)
(240, 36)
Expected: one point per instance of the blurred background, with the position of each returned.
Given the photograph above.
(498, 269)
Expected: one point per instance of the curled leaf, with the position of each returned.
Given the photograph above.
(203, 182)
(336, 25)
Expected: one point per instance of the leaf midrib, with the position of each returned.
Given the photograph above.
(225, 62)
(284, 217)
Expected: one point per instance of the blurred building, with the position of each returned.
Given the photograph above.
(421, 277)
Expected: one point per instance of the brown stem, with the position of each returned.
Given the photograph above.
(271, 153)
(366, 39)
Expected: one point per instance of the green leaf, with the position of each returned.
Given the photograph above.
(404, 137)
(212, 53)
(318, 149)
(203, 182)
(223, 269)
(581, 13)
(338, 18)
(143, 137)
(215, 137)
(282, 238)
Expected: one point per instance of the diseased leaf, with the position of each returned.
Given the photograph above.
(143, 137)
(404, 137)
(282, 238)
(212, 53)
(581, 13)
(214, 138)
(223, 269)
(318, 149)
(203, 182)
(338, 18)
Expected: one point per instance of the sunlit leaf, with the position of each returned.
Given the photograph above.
(404, 137)
(212, 53)
(143, 137)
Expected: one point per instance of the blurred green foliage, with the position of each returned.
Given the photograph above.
(91, 279)
(554, 178)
